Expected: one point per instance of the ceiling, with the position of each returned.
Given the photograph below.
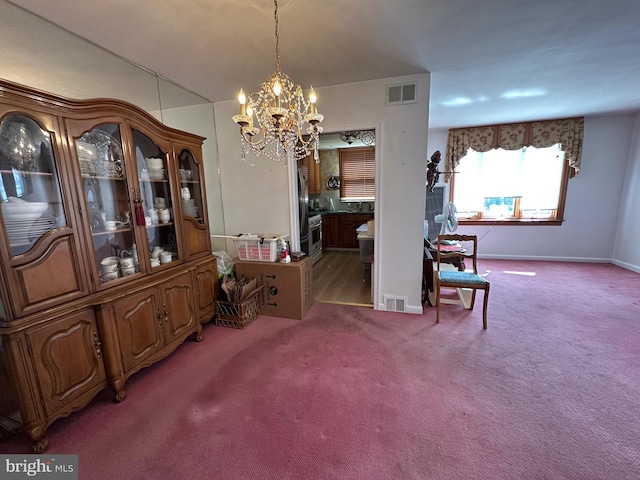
(491, 62)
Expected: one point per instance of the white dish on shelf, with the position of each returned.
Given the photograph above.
(156, 174)
(154, 163)
(21, 210)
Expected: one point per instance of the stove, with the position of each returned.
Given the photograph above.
(315, 237)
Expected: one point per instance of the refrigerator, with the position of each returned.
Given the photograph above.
(303, 208)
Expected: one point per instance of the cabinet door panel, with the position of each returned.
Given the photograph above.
(139, 326)
(331, 225)
(193, 201)
(55, 262)
(38, 215)
(178, 303)
(106, 190)
(156, 185)
(315, 177)
(206, 284)
(68, 359)
(348, 233)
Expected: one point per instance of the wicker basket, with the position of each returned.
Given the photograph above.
(239, 315)
(260, 248)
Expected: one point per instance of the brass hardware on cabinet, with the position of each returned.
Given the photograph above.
(97, 343)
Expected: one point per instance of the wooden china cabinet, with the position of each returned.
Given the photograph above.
(104, 249)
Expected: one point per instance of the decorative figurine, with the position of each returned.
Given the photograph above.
(432, 171)
(284, 251)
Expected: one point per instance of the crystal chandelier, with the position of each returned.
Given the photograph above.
(282, 113)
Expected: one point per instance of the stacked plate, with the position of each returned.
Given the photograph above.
(190, 208)
(154, 165)
(23, 220)
(27, 231)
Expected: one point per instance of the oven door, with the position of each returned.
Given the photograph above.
(315, 241)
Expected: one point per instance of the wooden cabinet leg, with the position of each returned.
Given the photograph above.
(120, 396)
(39, 438)
(198, 335)
(41, 445)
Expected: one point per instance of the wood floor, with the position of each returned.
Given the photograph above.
(338, 277)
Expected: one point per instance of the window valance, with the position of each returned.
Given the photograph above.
(569, 132)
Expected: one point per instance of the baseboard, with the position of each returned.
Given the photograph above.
(618, 263)
(416, 310)
(628, 266)
(546, 259)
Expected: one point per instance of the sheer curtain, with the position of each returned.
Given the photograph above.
(533, 174)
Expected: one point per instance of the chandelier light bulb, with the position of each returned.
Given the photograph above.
(277, 88)
(312, 99)
(242, 98)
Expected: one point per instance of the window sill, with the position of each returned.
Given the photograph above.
(510, 221)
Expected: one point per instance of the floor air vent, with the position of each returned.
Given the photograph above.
(395, 304)
(402, 93)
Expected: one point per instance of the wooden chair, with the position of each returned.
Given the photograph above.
(467, 247)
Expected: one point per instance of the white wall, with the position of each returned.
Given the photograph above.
(626, 252)
(593, 201)
(256, 198)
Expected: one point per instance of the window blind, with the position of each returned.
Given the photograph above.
(357, 173)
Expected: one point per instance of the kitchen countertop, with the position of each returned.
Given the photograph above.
(340, 212)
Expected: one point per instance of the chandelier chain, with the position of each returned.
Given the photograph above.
(275, 3)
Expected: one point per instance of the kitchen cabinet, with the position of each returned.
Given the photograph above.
(314, 178)
(339, 229)
(331, 231)
(91, 193)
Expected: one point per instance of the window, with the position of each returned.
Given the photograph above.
(501, 176)
(511, 185)
(357, 174)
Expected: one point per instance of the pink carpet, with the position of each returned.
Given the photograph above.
(550, 391)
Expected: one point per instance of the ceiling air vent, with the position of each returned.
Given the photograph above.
(402, 93)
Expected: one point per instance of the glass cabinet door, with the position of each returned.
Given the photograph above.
(191, 191)
(108, 205)
(30, 191)
(156, 196)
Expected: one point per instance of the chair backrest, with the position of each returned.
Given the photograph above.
(465, 245)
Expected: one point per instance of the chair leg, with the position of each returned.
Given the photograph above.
(437, 302)
(473, 299)
(485, 301)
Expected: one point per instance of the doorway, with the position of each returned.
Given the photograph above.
(341, 276)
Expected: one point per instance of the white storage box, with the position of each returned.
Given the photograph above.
(259, 247)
